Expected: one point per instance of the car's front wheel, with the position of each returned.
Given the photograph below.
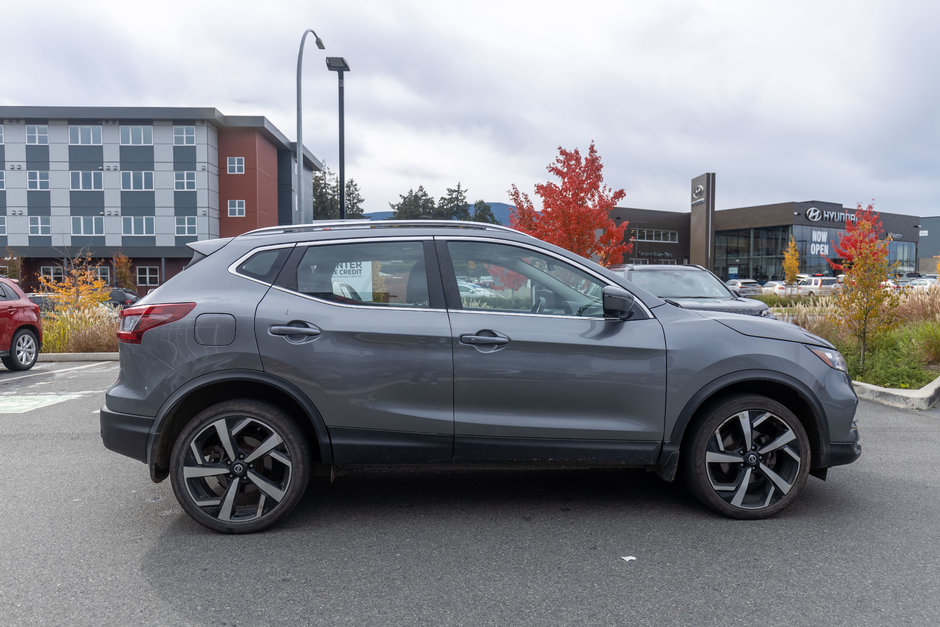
(24, 350)
(239, 466)
(748, 458)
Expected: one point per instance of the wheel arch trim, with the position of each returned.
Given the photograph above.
(175, 401)
(816, 427)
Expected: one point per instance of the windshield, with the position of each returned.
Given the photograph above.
(680, 284)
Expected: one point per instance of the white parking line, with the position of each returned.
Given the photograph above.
(42, 372)
(23, 404)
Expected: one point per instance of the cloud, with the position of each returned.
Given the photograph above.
(785, 101)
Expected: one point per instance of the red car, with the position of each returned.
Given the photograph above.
(20, 327)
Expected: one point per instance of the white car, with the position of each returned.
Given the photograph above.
(744, 287)
(922, 284)
(774, 287)
(818, 286)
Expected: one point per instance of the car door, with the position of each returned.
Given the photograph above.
(360, 327)
(539, 373)
(8, 311)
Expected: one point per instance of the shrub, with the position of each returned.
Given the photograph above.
(918, 306)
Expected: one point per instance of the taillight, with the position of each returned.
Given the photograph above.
(135, 321)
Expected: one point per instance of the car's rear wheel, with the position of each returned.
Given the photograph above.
(748, 458)
(240, 466)
(24, 350)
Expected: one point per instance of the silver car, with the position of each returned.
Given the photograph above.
(293, 351)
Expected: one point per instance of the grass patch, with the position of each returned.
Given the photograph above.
(80, 330)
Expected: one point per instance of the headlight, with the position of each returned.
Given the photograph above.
(830, 356)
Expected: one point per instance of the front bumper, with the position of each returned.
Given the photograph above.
(126, 434)
(841, 453)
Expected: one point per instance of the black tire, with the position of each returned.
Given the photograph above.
(748, 457)
(24, 350)
(239, 466)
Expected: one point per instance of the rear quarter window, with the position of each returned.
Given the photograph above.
(264, 265)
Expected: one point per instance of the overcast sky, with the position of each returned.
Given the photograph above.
(799, 100)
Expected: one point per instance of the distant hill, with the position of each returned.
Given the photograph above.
(500, 212)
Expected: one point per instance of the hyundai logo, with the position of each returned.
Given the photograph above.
(813, 214)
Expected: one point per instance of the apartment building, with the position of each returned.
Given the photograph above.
(141, 181)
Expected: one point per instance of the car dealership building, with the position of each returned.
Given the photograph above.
(749, 242)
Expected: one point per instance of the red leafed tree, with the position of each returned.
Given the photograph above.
(576, 211)
(865, 308)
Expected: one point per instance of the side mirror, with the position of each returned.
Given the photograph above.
(618, 303)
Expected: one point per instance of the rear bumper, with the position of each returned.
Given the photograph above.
(126, 434)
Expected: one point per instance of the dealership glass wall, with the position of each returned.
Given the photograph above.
(758, 253)
(751, 253)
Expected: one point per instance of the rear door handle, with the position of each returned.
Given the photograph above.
(484, 340)
(289, 330)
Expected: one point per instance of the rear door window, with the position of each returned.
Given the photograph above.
(383, 273)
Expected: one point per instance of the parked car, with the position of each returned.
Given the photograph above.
(50, 303)
(244, 374)
(20, 327)
(744, 287)
(122, 297)
(818, 286)
(921, 285)
(775, 287)
(691, 287)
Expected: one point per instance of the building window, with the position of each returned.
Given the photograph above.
(148, 275)
(3, 226)
(136, 180)
(84, 181)
(80, 135)
(104, 274)
(3, 179)
(136, 135)
(236, 165)
(184, 135)
(185, 181)
(39, 225)
(37, 180)
(657, 235)
(236, 208)
(37, 134)
(53, 273)
(87, 225)
(138, 225)
(186, 225)
(1, 133)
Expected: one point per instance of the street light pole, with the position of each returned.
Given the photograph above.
(299, 193)
(339, 65)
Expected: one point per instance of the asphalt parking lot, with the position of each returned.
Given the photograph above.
(87, 539)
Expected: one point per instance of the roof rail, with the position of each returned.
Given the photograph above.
(334, 225)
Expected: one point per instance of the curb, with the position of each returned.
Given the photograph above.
(78, 357)
(924, 398)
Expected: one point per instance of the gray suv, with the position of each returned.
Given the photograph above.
(692, 287)
(291, 351)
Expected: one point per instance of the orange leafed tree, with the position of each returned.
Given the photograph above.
(575, 211)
